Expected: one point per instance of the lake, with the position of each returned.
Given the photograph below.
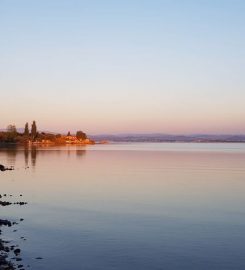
(146, 206)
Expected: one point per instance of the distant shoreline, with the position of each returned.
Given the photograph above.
(12, 136)
(165, 138)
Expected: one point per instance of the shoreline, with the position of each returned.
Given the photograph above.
(113, 142)
(48, 143)
(5, 263)
(9, 251)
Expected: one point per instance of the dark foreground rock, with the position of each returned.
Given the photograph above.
(4, 222)
(3, 168)
(5, 264)
(6, 248)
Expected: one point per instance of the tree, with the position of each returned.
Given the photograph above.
(12, 129)
(11, 133)
(81, 135)
(26, 131)
(33, 130)
(69, 133)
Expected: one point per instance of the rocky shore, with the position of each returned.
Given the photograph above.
(3, 168)
(10, 258)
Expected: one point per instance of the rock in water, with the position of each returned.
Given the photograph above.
(3, 168)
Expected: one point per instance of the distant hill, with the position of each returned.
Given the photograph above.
(168, 138)
(20, 130)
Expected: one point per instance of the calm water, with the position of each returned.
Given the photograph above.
(129, 206)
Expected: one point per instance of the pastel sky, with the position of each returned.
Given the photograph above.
(131, 66)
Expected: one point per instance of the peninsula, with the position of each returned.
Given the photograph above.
(12, 136)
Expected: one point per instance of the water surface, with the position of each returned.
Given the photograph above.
(129, 206)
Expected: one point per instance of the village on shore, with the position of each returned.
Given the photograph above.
(34, 137)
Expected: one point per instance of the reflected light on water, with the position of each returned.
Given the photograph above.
(172, 205)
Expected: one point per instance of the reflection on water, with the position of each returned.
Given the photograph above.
(30, 153)
(11, 155)
(26, 153)
(80, 153)
(33, 156)
(130, 206)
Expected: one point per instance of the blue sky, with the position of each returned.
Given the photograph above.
(123, 66)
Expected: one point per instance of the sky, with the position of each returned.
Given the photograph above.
(131, 66)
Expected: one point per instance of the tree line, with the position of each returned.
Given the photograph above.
(12, 135)
(33, 134)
